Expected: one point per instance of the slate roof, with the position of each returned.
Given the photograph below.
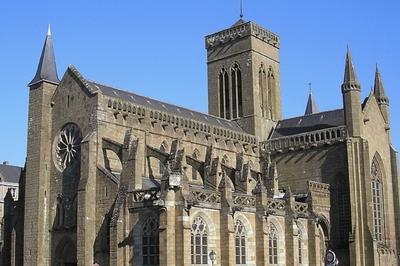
(47, 69)
(10, 173)
(168, 108)
(307, 123)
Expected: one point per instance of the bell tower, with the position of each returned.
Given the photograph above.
(37, 182)
(243, 77)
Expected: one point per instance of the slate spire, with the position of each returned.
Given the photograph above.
(311, 107)
(350, 81)
(47, 70)
(379, 90)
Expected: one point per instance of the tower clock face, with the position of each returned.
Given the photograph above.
(67, 146)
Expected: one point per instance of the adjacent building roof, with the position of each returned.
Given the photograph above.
(166, 107)
(303, 124)
(47, 70)
(10, 173)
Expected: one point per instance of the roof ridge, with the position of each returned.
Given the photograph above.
(320, 113)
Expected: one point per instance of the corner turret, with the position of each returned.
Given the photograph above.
(351, 90)
(379, 93)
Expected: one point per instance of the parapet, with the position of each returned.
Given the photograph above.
(242, 30)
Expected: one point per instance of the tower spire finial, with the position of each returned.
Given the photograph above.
(241, 8)
(49, 30)
(309, 88)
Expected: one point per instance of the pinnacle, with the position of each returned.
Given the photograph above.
(349, 72)
(378, 86)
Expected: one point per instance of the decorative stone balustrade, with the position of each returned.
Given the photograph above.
(244, 201)
(276, 206)
(305, 140)
(143, 197)
(301, 209)
(241, 30)
(205, 198)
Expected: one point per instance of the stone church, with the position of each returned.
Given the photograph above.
(116, 178)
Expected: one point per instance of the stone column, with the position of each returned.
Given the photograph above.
(167, 230)
(86, 205)
(313, 243)
(261, 234)
(227, 226)
(290, 227)
(183, 232)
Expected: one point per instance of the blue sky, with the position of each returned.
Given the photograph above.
(156, 48)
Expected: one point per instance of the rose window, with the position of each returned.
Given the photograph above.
(68, 145)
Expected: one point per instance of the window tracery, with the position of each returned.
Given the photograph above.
(199, 242)
(240, 243)
(67, 146)
(377, 199)
(150, 242)
(273, 244)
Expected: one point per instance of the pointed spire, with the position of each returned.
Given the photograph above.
(350, 81)
(241, 9)
(311, 107)
(349, 73)
(379, 90)
(47, 70)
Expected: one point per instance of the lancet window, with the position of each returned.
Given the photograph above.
(377, 199)
(223, 83)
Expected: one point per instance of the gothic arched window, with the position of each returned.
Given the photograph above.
(161, 166)
(225, 160)
(223, 83)
(150, 242)
(194, 170)
(300, 247)
(377, 203)
(271, 91)
(262, 77)
(236, 94)
(199, 242)
(240, 243)
(273, 244)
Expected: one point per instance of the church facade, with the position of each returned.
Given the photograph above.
(116, 178)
